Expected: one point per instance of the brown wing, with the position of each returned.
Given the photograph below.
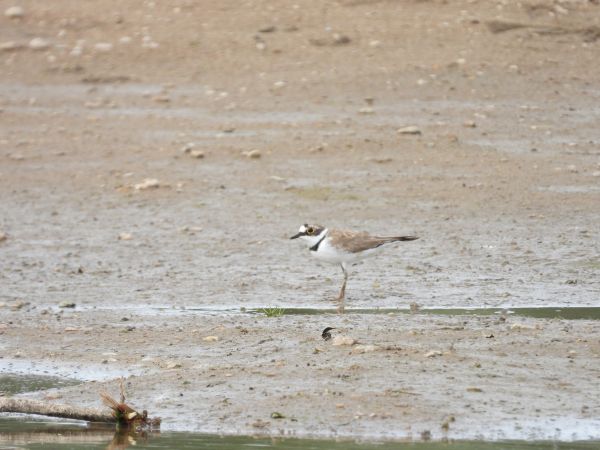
(354, 242)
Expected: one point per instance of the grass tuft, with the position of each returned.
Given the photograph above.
(273, 312)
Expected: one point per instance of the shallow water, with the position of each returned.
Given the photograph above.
(591, 313)
(26, 432)
(11, 384)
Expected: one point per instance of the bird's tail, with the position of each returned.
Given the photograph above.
(403, 238)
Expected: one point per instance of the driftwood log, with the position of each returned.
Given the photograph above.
(25, 406)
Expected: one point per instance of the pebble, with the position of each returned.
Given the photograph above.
(14, 12)
(161, 98)
(267, 29)
(16, 156)
(362, 348)
(366, 110)
(343, 340)
(596, 173)
(341, 39)
(148, 183)
(252, 154)
(103, 47)
(469, 124)
(210, 338)
(66, 304)
(125, 236)
(198, 154)
(3, 236)
(433, 354)
(174, 365)
(18, 305)
(39, 44)
(521, 327)
(188, 147)
(10, 46)
(409, 130)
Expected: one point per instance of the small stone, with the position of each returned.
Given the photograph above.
(277, 415)
(474, 389)
(66, 304)
(260, 424)
(596, 173)
(267, 29)
(559, 9)
(39, 44)
(409, 130)
(10, 46)
(18, 305)
(103, 47)
(572, 168)
(16, 156)
(433, 354)
(125, 236)
(161, 98)
(188, 147)
(366, 110)
(252, 154)
(174, 365)
(210, 338)
(340, 39)
(3, 236)
(521, 327)
(198, 154)
(469, 124)
(343, 340)
(363, 348)
(14, 12)
(148, 183)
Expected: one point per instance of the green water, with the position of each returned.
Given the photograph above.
(11, 384)
(28, 434)
(570, 313)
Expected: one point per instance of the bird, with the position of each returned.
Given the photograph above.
(326, 334)
(343, 247)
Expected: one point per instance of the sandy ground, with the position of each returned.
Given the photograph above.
(502, 183)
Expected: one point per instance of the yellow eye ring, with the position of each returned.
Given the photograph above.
(310, 230)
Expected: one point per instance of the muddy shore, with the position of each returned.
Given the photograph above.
(155, 159)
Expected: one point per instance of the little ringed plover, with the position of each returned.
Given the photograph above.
(343, 247)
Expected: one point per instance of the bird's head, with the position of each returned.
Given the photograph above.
(310, 234)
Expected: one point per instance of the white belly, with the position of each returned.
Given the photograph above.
(333, 255)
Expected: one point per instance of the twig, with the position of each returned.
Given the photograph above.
(26, 406)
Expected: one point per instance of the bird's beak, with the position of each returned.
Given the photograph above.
(297, 235)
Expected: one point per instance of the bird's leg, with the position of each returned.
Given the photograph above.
(342, 295)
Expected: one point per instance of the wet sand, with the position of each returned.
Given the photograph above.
(502, 184)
